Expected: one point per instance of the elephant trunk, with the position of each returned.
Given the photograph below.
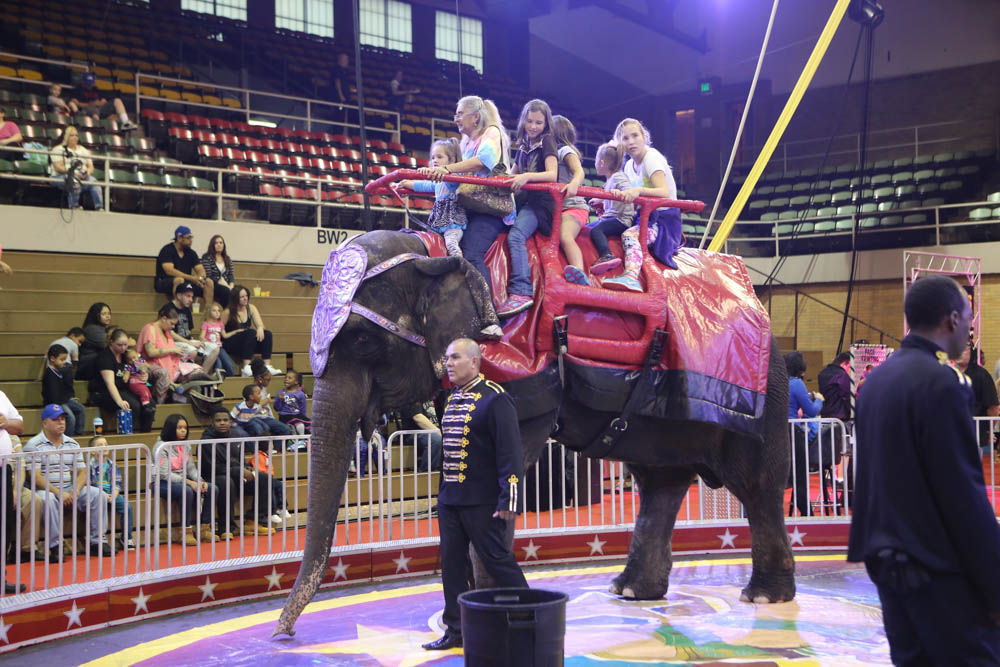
(335, 414)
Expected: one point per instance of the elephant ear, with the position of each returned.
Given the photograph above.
(456, 302)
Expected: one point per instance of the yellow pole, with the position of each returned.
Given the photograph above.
(779, 127)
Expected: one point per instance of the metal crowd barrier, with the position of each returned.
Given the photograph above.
(389, 497)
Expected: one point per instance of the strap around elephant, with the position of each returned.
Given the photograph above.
(391, 263)
(388, 325)
(606, 442)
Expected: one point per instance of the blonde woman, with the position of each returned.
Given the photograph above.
(484, 144)
(69, 149)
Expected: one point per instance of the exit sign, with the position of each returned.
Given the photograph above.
(705, 87)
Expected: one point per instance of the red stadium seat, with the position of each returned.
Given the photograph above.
(302, 135)
(322, 137)
(342, 140)
(211, 156)
(254, 157)
(270, 145)
(340, 167)
(407, 162)
(250, 143)
(311, 150)
(422, 162)
(378, 145)
(152, 114)
(204, 137)
(241, 127)
(200, 121)
(351, 155)
(330, 152)
(396, 147)
(220, 124)
(234, 155)
(319, 164)
(175, 118)
(226, 139)
(277, 159)
(283, 132)
(377, 170)
(389, 160)
(373, 158)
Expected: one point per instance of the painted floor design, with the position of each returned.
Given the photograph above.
(834, 620)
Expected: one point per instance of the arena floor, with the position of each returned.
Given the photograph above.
(834, 620)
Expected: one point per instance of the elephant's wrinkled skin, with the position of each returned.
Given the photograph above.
(371, 371)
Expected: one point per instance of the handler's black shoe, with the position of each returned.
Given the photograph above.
(446, 642)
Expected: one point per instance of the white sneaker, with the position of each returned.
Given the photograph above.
(246, 372)
(274, 371)
(286, 514)
(276, 519)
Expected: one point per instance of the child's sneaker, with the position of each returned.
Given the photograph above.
(575, 275)
(514, 304)
(604, 264)
(623, 283)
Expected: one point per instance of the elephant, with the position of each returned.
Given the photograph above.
(370, 370)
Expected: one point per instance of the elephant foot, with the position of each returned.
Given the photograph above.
(636, 589)
(769, 589)
(284, 628)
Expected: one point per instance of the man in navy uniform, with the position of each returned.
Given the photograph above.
(922, 523)
(481, 466)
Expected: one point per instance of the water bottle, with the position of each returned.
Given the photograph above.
(98, 425)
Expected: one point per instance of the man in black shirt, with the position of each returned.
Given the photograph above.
(835, 385)
(482, 465)
(178, 263)
(984, 393)
(923, 524)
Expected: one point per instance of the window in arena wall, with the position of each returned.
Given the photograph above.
(227, 9)
(311, 16)
(448, 29)
(387, 24)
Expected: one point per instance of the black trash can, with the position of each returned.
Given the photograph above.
(519, 627)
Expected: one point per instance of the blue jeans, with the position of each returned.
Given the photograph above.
(480, 234)
(524, 226)
(225, 363)
(73, 197)
(122, 507)
(76, 419)
(266, 426)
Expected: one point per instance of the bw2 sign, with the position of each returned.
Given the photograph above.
(334, 236)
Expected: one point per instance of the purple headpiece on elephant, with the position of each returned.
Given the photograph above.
(341, 278)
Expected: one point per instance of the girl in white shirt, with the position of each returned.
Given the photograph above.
(650, 175)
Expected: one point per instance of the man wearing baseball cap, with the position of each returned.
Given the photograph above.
(178, 263)
(62, 481)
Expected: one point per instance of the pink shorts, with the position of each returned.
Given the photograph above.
(578, 214)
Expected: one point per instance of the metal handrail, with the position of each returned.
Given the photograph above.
(48, 61)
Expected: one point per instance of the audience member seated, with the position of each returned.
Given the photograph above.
(418, 417)
(57, 387)
(178, 263)
(184, 333)
(10, 134)
(246, 333)
(212, 332)
(291, 403)
(802, 404)
(262, 378)
(58, 105)
(251, 416)
(399, 97)
(261, 463)
(139, 372)
(182, 487)
(74, 170)
(95, 337)
(71, 341)
(104, 475)
(225, 465)
(92, 104)
(61, 481)
(165, 357)
(109, 386)
(219, 268)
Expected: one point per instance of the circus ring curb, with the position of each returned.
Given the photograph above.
(42, 616)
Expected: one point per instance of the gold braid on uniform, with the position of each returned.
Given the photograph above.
(963, 379)
(455, 430)
(512, 481)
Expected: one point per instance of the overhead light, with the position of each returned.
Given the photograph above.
(261, 123)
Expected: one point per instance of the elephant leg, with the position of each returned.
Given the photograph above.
(647, 570)
(761, 490)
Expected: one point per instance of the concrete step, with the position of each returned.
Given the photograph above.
(55, 281)
(36, 342)
(14, 321)
(28, 393)
(145, 266)
(144, 301)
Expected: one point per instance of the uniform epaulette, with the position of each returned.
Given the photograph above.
(963, 379)
(494, 386)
